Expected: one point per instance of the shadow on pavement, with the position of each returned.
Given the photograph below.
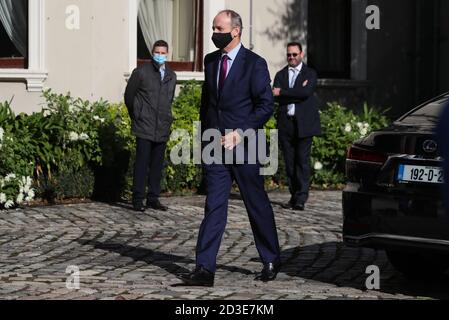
(336, 264)
(168, 262)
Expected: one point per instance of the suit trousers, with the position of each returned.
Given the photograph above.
(297, 152)
(148, 170)
(251, 184)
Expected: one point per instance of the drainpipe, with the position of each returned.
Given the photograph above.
(251, 44)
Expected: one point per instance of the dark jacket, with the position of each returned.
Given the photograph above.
(149, 101)
(443, 141)
(306, 114)
(246, 101)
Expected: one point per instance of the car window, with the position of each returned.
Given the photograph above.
(426, 115)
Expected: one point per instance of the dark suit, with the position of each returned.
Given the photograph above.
(443, 141)
(296, 133)
(245, 102)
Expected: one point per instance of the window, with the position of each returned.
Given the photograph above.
(179, 22)
(24, 20)
(13, 34)
(329, 38)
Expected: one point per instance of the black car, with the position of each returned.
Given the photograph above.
(393, 198)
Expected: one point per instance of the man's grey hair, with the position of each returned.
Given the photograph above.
(236, 19)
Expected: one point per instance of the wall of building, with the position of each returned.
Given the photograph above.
(406, 60)
(407, 56)
(90, 62)
(268, 34)
(444, 47)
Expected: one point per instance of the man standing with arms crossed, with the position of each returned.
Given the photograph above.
(298, 121)
(236, 95)
(149, 97)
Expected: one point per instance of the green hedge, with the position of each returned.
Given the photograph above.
(78, 149)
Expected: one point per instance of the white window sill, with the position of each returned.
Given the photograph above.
(34, 79)
(187, 76)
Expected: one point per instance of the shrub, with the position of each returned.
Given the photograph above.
(78, 149)
(186, 109)
(341, 127)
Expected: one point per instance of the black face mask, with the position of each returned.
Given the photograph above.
(222, 40)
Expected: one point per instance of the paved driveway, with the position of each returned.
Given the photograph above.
(122, 254)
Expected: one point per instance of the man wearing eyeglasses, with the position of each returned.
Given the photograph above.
(298, 122)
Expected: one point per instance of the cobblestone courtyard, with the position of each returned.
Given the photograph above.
(125, 255)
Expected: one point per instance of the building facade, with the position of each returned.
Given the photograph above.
(89, 47)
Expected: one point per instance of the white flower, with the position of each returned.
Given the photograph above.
(10, 177)
(26, 189)
(30, 195)
(363, 128)
(318, 166)
(348, 128)
(97, 118)
(2, 198)
(9, 204)
(83, 137)
(364, 132)
(19, 199)
(73, 136)
(2, 132)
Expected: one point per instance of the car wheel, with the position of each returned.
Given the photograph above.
(420, 264)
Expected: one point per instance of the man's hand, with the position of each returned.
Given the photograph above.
(231, 140)
(276, 92)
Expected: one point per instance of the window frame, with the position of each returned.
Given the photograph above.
(35, 75)
(210, 9)
(197, 63)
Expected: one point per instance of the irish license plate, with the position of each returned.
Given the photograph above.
(420, 174)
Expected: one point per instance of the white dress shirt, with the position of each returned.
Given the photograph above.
(293, 74)
(162, 71)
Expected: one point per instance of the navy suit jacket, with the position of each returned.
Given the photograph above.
(443, 140)
(246, 101)
(307, 114)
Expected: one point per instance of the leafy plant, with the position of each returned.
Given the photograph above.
(341, 127)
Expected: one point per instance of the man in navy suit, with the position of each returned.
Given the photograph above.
(236, 97)
(298, 121)
(443, 141)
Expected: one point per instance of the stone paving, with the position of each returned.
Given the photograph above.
(125, 255)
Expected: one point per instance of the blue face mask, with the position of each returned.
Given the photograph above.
(160, 59)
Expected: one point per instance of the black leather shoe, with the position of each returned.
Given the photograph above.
(292, 202)
(156, 205)
(269, 272)
(299, 207)
(139, 207)
(200, 278)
